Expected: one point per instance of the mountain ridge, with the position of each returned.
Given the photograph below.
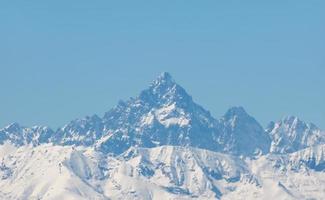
(163, 145)
(165, 114)
(169, 172)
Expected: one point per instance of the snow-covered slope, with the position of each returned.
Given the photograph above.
(186, 172)
(298, 175)
(165, 172)
(46, 172)
(309, 158)
(168, 172)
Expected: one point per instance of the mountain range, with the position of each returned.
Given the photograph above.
(163, 145)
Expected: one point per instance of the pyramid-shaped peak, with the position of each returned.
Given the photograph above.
(164, 90)
(13, 126)
(165, 76)
(236, 111)
(290, 119)
(165, 85)
(295, 122)
(164, 79)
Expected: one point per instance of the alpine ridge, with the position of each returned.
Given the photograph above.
(165, 114)
(161, 144)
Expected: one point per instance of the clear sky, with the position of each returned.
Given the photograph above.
(61, 60)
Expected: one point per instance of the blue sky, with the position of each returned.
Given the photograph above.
(61, 60)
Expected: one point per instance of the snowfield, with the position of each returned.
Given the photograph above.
(167, 172)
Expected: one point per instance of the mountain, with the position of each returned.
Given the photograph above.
(185, 172)
(78, 132)
(165, 172)
(309, 158)
(242, 134)
(291, 134)
(163, 145)
(163, 114)
(46, 172)
(19, 135)
(298, 175)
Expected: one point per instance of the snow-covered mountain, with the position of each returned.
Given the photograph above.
(165, 172)
(78, 132)
(163, 145)
(19, 135)
(46, 172)
(242, 134)
(291, 134)
(163, 114)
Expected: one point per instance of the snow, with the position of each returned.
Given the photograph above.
(171, 115)
(147, 119)
(165, 172)
(6, 148)
(168, 115)
(291, 134)
(36, 174)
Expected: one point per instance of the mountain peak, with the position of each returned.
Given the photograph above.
(165, 76)
(13, 126)
(164, 79)
(291, 134)
(291, 119)
(236, 111)
(294, 122)
(243, 134)
(164, 90)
